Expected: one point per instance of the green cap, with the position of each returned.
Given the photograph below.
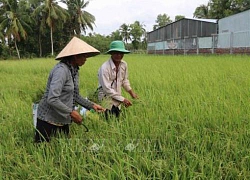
(117, 46)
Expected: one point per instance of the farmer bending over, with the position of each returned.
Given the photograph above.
(112, 75)
(56, 108)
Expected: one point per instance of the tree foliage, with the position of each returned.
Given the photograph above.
(137, 32)
(54, 15)
(217, 9)
(179, 17)
(38, 28)
(125, 32)
(202, 11)
(162, 20)
(79, 20)
(13, 21)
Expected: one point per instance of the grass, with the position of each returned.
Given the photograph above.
(191, 122)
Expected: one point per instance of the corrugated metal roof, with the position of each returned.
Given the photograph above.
(238, 14)
(205, 20)
(194, 19)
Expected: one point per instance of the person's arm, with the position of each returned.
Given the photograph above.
(83, 101)
(76, 117)
(126, 83)
(132, 94)
(58, 78)
(57, 82)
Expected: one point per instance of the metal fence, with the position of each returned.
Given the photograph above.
(237, 42)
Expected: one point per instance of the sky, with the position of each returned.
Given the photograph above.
(111, 14)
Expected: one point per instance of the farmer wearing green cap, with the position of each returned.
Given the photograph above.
(112, 75)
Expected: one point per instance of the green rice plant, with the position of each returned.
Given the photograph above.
(191, 121)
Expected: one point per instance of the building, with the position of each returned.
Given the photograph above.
(229, 35)
(234, 31)
(183, 36)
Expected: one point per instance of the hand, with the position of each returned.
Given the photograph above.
(98, 108)
(76, 117)
(133, 95)
(127, 103)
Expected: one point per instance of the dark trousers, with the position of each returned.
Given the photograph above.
(45, 130)
(115, 111)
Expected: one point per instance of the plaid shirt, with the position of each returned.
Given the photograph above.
(62, 93)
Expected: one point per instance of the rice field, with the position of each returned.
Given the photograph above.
(191, 122)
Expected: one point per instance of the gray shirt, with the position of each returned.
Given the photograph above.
(61, 94)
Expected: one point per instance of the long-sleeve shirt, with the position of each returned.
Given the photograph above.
(110, 82)
(61, 94)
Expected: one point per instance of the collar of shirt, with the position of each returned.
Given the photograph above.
(112, 65)
(70, 66)
(73, 69)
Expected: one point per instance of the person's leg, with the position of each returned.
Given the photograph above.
(116, 111)
(107, 114)
(59, 131)
(64, 130)
(43, 131)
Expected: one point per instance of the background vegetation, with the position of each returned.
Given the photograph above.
(41, 28)
(191, 122)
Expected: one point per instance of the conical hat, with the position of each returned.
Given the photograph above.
(77, 46)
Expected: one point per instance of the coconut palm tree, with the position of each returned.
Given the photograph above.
(53, 15)
(137, 32)
(125, 32)
(39, 23)
(116, 35)
(162, 20)
(80, 20)
(202, 12)
(13, 22)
